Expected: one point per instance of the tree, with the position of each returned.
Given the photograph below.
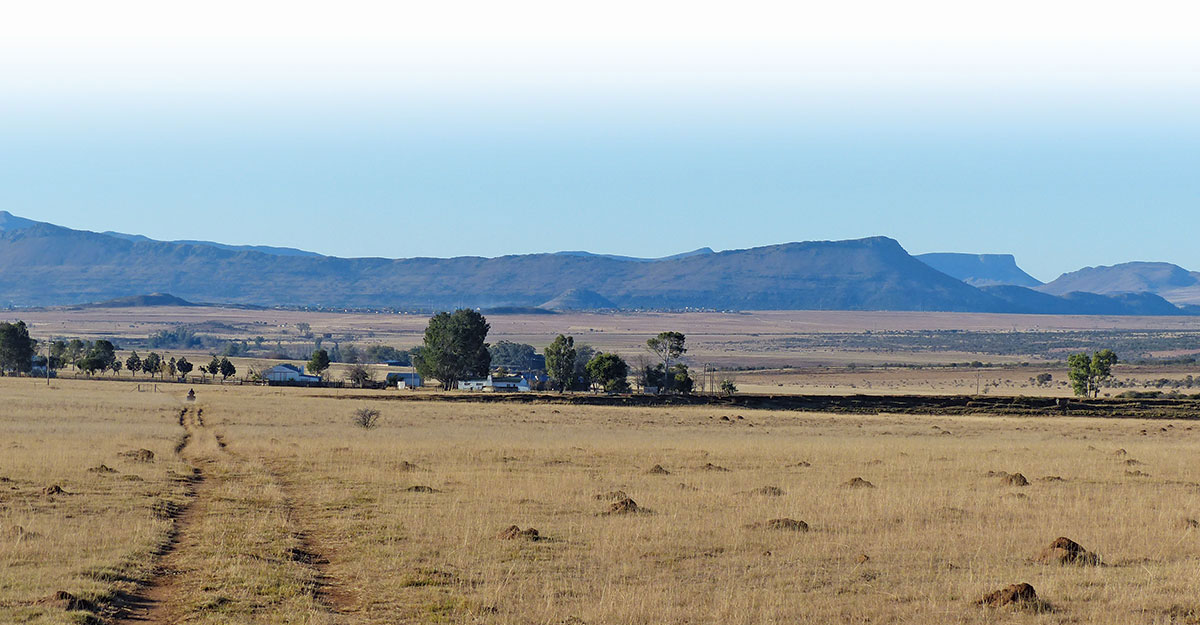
(516, 356)
(133, 363)
(115, 366)
(183, 366)
(560, 362)
(152, 364)
(172, 367)
(226, 369)
(318, 362)
(582, 379)
(728, 387)
(99, 357)
(610, 372)
(360, 374)
(667, 346)
(214, 367)
(1087, 372)
(16, 348)
(455, 347)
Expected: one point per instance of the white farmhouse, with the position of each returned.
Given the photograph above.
(288, 374)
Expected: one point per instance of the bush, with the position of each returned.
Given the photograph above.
(366, 418)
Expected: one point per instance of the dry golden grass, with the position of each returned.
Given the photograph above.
(938, 533)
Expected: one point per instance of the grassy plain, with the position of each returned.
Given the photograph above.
(296, 516)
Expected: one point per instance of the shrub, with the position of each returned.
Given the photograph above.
(366, 418)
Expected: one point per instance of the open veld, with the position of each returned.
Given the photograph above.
(266, 505)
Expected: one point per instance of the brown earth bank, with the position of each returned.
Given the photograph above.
(849, 404)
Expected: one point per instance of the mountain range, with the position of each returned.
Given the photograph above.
(43, 264)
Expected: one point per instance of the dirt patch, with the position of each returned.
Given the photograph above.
(625, 506)
(858, 482)
(53, 489)
(658, 470)
(102, 469)
(784, 524)
(713, 467)
(421, 489)
(1066, 551)
(767, 491)
(1020, 595)
(513, 532)
(138, 455)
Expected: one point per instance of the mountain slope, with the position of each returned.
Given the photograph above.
(980, 269)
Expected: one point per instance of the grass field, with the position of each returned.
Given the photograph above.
(275, 509)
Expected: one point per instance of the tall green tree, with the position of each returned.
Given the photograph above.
(455, 347)
(667, 346)
(214, 366)
(1087, 371)
(133, 363)
(183, 366)
(560, 362)
(152, 364)
(226, 368)
(99, 357)
(318, 362)
(515, 356)
(16, 348)
(610, 372)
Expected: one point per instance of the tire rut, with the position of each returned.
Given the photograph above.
(150, 602)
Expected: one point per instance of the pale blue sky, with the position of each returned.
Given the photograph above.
(1065, 156)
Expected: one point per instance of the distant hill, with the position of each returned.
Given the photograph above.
(1025, 300)
(578, 299)
(1136, 277)
(134, 301)
(43, 264)
(980, 269)
(265, 249)
(700, 252)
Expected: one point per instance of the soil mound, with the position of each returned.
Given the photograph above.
(138, 455)
(1016, 479)
(784, 524)
(858, 482)
(53, 489)
(767, 491)
(713, 467)
(422, 489)
(624, 506)
(1053, 478)
(64, 600)
(512, 532)
(658, 470)
(406, 466)
(1190, 524)
(1136, 473)
(102, 469)
(803, 464)
(1133, 462)
(612, 495)
(1013, 594)
(1066, 551)
(1120, 452)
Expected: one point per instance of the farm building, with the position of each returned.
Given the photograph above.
(499, 384)
(404, 380)
(288, 374)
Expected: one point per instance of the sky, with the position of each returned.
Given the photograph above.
(1065, 133)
